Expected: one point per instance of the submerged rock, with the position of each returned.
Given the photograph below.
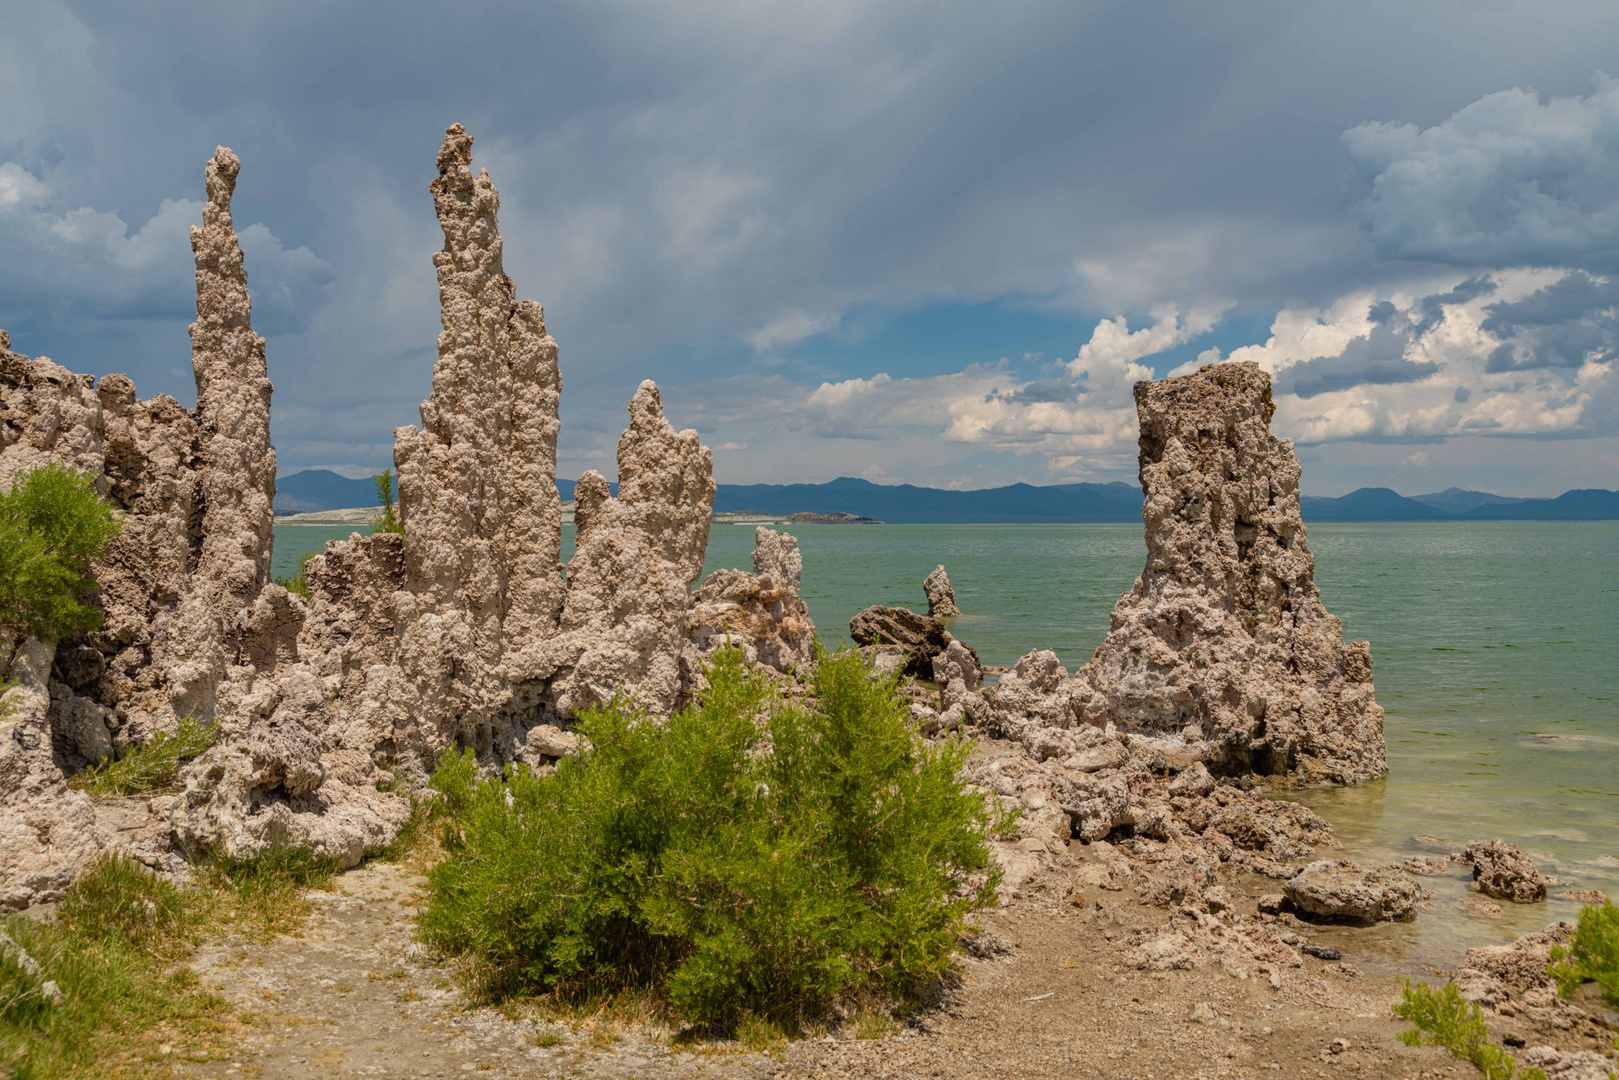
(1505, 872)
(941, 597)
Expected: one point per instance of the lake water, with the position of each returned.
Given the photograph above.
(1496, 656)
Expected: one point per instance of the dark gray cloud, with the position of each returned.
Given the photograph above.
(694, 191)
(1041, 391)
(1431, 310)
(1377, 358)
(1570, 321)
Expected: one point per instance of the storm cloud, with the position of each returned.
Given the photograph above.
(736, 198)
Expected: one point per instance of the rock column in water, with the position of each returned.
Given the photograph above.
(941, 597)
(1224, 639)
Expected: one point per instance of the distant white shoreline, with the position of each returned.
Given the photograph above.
(362, 515)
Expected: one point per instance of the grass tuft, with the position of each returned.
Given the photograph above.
(118, 928)
(152, 766)
(1445, 1018)
(762, 1035)
(874, 1024)
(263, 894)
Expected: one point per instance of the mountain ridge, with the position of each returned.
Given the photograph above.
(314, 490)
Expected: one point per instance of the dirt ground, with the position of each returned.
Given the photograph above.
(352, 994)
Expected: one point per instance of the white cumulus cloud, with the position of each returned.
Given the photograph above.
(1510, 180)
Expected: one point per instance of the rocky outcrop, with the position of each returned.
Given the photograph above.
(916, 639)
(1222, 650)
(941, 597)
(461, 630)
(194, 489)
(1505, 872)
(761, 612)
(1339, 890)
(464, 629)
(629, 583)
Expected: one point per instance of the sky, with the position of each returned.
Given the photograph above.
(915, 242)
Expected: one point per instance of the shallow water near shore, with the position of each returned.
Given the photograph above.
(1496, 656)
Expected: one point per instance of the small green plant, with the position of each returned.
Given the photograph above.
(1592, 955)
(387, 519)
(52, 524)
(761, 1035)
(1445, 1018)
(548, 1037)
(153, 766)
(299, 582)
(747, 857)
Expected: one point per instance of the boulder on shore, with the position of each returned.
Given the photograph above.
(922, 637)
(1340, 890)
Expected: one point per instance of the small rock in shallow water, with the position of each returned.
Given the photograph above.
(1584, 896)
(1425, 865)
(1321, 952)
(1505, 872)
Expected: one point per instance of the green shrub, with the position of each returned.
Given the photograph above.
(153, 766)
(298, 583)
(387, 519)
(1444, 1018)
(749, 857)
(52, 524)
(1592, 955)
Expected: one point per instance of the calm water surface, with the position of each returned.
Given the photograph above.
(1496, 650)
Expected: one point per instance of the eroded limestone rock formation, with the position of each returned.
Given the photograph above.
(1223, 649)
(462, 630)
(760, 613)
(194, 488)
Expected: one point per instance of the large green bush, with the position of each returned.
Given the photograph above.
(747, 856)
(52, 523)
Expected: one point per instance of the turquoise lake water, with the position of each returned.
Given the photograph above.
(1495, 648)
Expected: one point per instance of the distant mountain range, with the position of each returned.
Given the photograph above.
(314, 490)
(1454, 504)
(318, 489)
